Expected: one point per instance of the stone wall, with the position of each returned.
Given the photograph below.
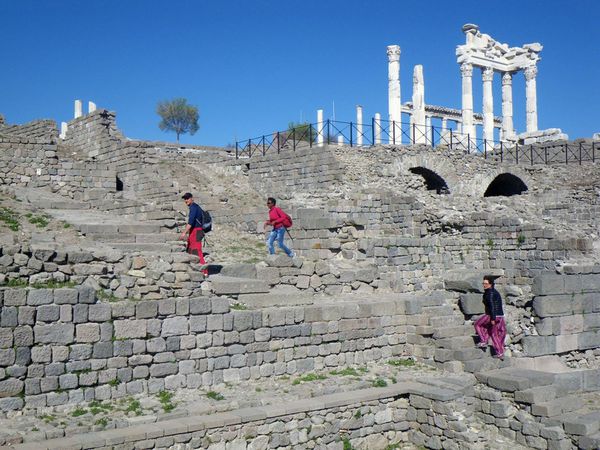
(567, 307)
(62, 345)
(93, 136)
(44, 130)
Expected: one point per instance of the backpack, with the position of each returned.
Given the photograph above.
(206, 221)
(286, 220)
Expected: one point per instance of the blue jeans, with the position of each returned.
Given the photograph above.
(278, 234)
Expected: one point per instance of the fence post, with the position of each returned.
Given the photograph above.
(328, 132)
(546, 155)
(413, 133)
(310, 135)
(250, 148)
(580, 153)
(450, 138)
(468, 143)
(432, 135)
(236, 150)
(501, 151)
(517, 153)
(372, 131)
(593, 152)
(531, 154)
(394, 131)
(350, 134)
(294, 138)
(485, 149)
(566, 154)
(263, 145)
(278, 143)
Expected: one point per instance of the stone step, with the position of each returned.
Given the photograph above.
(224, 285)
(514, 379)
(590, 442)
(138, 228)
(143, 247)
(456, 343)
(454, 331)
(579, 424)
(446, 321)
(557, 406)
(485, 364)
(538, 394)
(435, 311)
(468, 354)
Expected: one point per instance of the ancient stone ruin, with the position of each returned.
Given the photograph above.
(112, 337)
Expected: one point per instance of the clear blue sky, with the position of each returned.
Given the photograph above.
(253, 66)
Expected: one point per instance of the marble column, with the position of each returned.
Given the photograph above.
(466, 71)
(428, 130)
(444, 125)
(507, 106)
(63, 130)
(340, 140)
(320, 128)
(418, 100)
(359, 125)
(531, 97)
(394, 98)
(487, 75)
(377, 131)
(91, 107)
(78, 109)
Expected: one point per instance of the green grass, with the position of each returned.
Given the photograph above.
(308, 378)
(114, 382)
(165, 397)
(16, 282)
(214, 395)
(102, 295)
(347, 372)
(79, 412)
(52, 284)
(47, 418)
(379, 382)
(135, 407)
(102, 422)
(10, 218)
(66, 225)
(520, 239)
(401, 362)
(39, 221)
(238, 306)
(347, 444)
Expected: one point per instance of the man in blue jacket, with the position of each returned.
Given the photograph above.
(491, 324)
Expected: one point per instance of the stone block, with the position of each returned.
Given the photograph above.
(588, 340)
(56, 333)
(15, 297)
(65, 296)
(471, 304)
(87, 332)
(175, 326)
(553, 305)
(36, 297)
(48, 313)
(86, 294)
(99, 312)
(566, 343)
(200, 305)
(548, 284)
(147, 309)
(125, 329)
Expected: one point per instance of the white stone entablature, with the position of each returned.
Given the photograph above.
(482, 51)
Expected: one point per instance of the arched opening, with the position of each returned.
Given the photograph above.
(433, 181)
(505, 185)
(119, 184)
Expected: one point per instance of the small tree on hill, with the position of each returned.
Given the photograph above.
(178, 116)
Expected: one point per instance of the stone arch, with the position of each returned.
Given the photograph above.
(505, 185)
(433, 181)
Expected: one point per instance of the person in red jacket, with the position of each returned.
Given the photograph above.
(276, 219)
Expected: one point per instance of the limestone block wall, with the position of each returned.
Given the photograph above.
(118, 276)
(567, 307)
(27, 161)
(94, 135)
(45, 130)
(61, 345)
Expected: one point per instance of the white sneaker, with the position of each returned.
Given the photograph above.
(293, 255)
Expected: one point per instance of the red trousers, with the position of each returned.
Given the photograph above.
(194, 246)
(485, 330)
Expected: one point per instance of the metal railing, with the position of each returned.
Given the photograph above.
(382, 132)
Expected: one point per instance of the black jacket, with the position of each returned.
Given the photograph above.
(493, 303)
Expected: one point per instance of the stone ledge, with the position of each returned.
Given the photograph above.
(245, 415)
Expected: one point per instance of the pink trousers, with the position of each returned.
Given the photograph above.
(485, 330)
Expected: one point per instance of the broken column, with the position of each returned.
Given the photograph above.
(531, 97)
(91, 107)
(63, 130)
(359, 125)
(319, 128)
(418, 100)
(78, 109)
(377, 131)
(487, 75)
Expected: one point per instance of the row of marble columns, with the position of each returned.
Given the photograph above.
(487, 75)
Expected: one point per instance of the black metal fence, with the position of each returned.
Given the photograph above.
(378, 132)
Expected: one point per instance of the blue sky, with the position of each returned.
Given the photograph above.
(253, 66)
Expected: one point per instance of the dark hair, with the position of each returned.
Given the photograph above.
(490, 279)
(187, 195)
(271, 200)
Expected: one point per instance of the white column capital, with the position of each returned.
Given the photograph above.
(487, 74)
(530, 72)
(466, 70)
(393, 53)
(507, 78)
